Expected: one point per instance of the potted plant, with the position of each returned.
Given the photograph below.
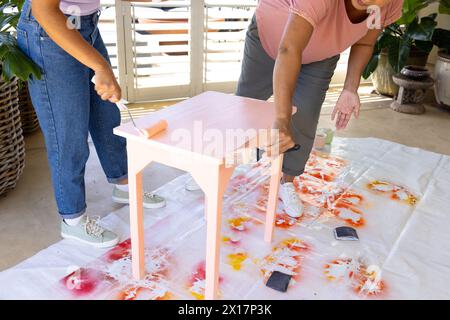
(14, 64)
(408, 41)
(14, 67)
(441, 38)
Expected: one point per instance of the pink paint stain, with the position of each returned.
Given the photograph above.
(83, 281)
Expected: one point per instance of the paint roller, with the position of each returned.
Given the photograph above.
(148, 132)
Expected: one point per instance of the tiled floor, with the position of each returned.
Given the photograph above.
(28, 219)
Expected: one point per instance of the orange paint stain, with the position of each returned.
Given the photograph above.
(355, 275)
(283, 221)
(135, 293)
(348, 213)
(286, 257)
(321, 174)
(393, 191)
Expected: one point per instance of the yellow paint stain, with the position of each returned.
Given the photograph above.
(166, 296)
(412, 201)
(238, 223)
(293, 242)
(235, 260)
(198, 296)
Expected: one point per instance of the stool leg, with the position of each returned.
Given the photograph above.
(275, 177)
(214, 188)
(136, 224)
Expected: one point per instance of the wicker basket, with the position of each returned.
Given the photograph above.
(29, 118)
(12, 145)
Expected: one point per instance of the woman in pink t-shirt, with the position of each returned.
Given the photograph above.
(291, 51)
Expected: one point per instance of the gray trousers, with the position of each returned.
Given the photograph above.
(312, 84)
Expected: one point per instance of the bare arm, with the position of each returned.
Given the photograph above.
(360, 54)
(349, 102)
(54, 22)
(287, 67)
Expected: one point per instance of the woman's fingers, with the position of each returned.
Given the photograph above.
(106, 85)
(340, 120)
(111, 95)
(345, 120)
(105, 96)
(347, 104)
(113, 99)
(333, 114)
(357, 111)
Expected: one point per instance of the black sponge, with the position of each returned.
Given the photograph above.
(279, 281)
(346, 234)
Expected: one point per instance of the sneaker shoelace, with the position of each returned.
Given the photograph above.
(91, 227)
(292, 194)
(150, 195)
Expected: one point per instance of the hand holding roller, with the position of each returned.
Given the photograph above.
(148, 132)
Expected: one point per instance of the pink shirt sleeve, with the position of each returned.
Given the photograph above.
(393, 12)
(312, 11)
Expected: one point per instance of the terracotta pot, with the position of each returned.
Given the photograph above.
(382, 76)
(442, 77)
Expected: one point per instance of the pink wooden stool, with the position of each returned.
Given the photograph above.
(213, 111)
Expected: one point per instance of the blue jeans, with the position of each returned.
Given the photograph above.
(68, 109)
(256, 82)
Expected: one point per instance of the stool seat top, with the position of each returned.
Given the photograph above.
(205, 124)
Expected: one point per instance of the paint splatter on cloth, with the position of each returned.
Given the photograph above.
(393, 195)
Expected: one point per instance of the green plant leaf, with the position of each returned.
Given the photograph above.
(17, 64)
(393, 52)
(10, 13)
(441, 38)
(398, 54)
(422, 31)
(410, 10)
(7, 39)
(425, 46)
(444, 6)
(7, 21)
(371, 66)
(385, 41)
(13, 62)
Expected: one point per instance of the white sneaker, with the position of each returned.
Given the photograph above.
(291, 201)
(191, 185)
